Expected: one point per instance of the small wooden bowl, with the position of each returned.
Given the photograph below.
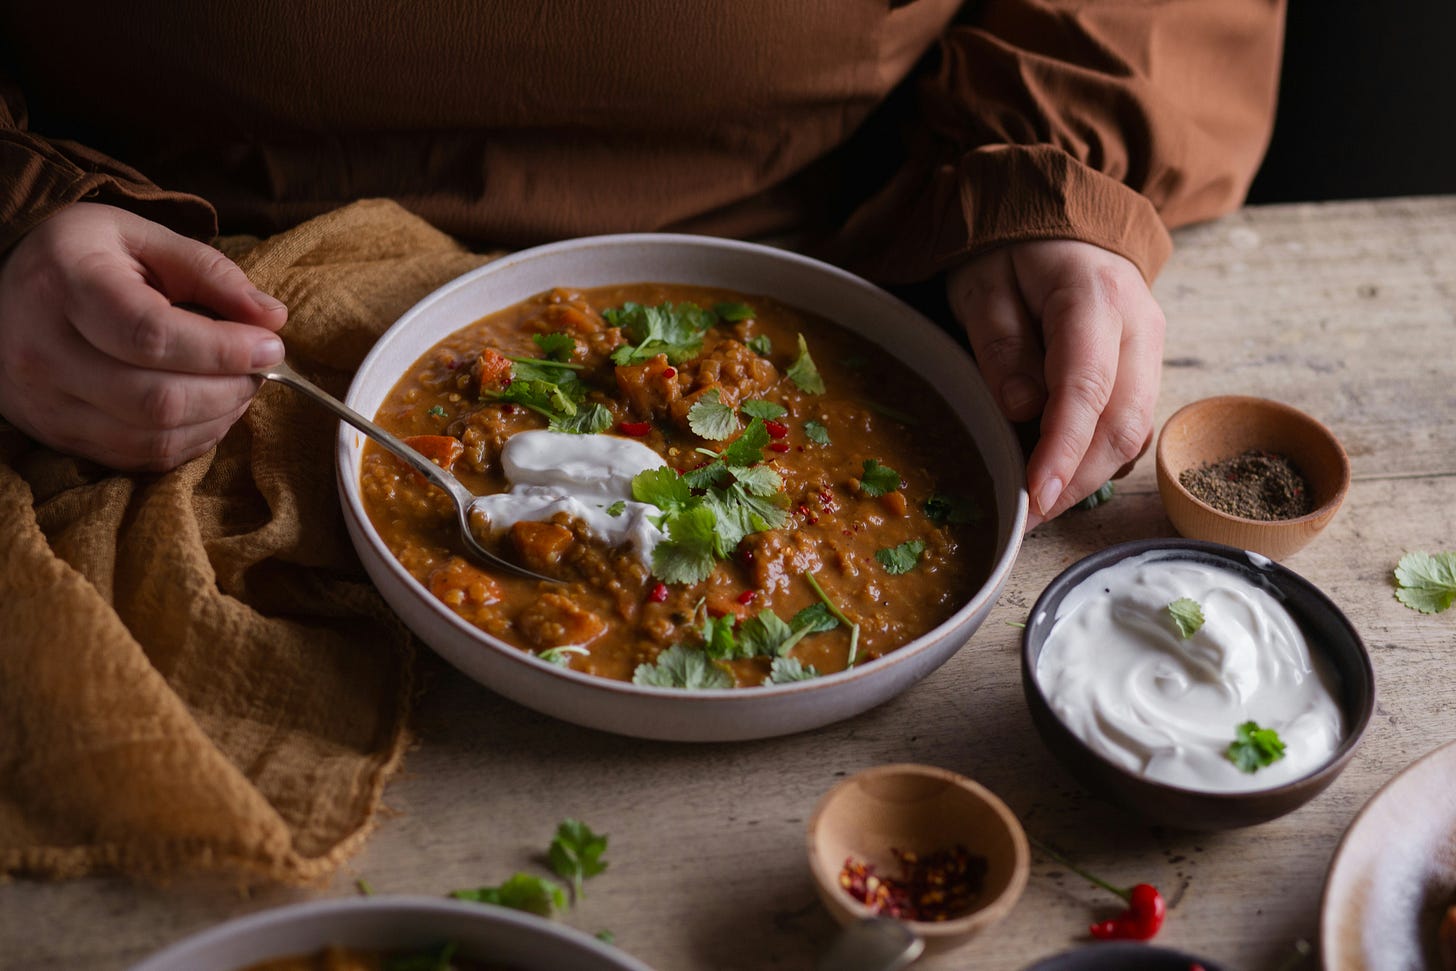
(1215, 429)
(922, 809)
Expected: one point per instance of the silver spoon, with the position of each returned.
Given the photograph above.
(462, 497)
(877, 944)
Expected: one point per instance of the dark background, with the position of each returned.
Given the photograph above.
(1367, 103)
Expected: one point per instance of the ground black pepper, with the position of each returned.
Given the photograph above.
(1254, 484)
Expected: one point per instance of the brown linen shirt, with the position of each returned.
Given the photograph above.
(903, 135)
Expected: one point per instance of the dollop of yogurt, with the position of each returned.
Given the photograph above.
(584, 476)
(1116, 671)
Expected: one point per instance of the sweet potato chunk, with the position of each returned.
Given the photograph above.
(650, 388)
(491, 370)
(443, 450)
(555, 620)
(460, 583)
(540, 545)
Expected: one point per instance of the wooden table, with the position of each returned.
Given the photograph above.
(1345, 310)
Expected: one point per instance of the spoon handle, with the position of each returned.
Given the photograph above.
(285, 375)
(877, 944)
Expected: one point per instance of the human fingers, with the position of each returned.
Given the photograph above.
(96, 435)
(115, 309)
(986, 299)
(186, 271)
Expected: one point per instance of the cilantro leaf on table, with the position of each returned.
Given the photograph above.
(535, 895)
(710, 418)
(1425, 582)
(902, 558)
(682, 667)
(786, 670)
(558, 346)
(1253, 747)
(878, 479)
(576, 853)
(953, 509)
(760, 408)
(803, 372)
(674, 330)
(1104, 494)
(1187, 616)
(816, 432)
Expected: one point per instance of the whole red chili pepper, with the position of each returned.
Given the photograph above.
(1145, 907)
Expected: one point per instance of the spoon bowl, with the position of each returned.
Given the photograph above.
(461, 497)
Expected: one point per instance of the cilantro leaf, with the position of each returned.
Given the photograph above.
(902, 558)
(558, 346)
(814, 619)
(687, 555)
(592, 420)
(663, 488)
(839, 616)
(747, 449)
(816, 432)
(1187, 616)
(763, 633)
(711, 419)
(877, 479)
(562, 655)
(707, 476)
(438, 960)
(1253, 747)
(785, 670)
(576, 853)
(803, 372)
(605, 936)
(733, 312)
(535, 895)
(759, 408)
(759, 480)
(617, 508)
(718, 639)
(760, 345)
(437, 411)
(956, 510)
(682, 667)
(1425, 582)
(1104, 493)
(674, 330)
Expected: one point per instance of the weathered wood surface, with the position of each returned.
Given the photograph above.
(1346, 310)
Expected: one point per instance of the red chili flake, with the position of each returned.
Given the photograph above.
(930, 888)
(747, 596)
(778, 446)
(669, 372)
(658, 593)
(776, 429)
(634, 428)
(508, 409)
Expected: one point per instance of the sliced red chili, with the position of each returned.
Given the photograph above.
(776, 429)
(746, 596)
(778, 446)
(669, 372)
(634, 428)
(658, 594)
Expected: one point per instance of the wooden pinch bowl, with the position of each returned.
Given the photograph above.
(1214, 429)
(922, 809)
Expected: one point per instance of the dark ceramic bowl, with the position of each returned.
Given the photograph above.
(1324, 626)
(1123, 956)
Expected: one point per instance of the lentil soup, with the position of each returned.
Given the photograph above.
(816, 506)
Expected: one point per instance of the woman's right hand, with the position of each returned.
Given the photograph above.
(97, 360)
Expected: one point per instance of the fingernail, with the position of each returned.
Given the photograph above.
(1020, 394)
(266, 302)
(1051, 490)
(267, 352)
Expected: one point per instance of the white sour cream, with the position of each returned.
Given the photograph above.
(581, 475)
(1117, 673)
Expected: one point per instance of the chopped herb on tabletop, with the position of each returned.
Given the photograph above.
(1187, 616)
(523, 891)
(1426, 582)
(1254, 748)
(1104, 494)
(575, 853)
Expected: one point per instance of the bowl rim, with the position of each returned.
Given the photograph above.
(209, 939)
(1165, 472)
(347, 443)
(1246, 560)
(984, 915)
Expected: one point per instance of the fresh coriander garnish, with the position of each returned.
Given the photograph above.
(606, 936)
(1253, 747)
(786, 670)
(760, 345)
(1426, 582)
(576, 853)
(902, 558)
(1104, 493)
(544, 363)
(815, 432)
(956, 510)
(439, 960)
(682, 667)
(561, 656)
(759, 408)
(803, 372)
(617, 508)
(558, 346)
(364, 888)
(839, 616)
(766, 634)
(1187, 616)
(674, 330)
(733, 312)
(437, 411)
(878, 479)
(523, 891)
(552, 389)
(710, 418)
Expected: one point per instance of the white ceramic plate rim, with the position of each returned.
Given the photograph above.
(349, 445)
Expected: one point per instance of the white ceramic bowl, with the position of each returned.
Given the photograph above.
(515, 939)
(665, 713)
